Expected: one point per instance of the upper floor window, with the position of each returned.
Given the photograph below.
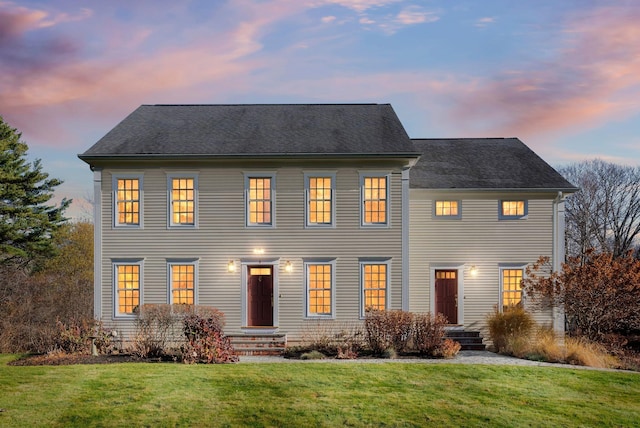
(511, 280)
(374, 280)
(182, 282)
(375, 196)
(260, 199)
(447, 209)
(513, 209)
(320, 199)
(320, 280)
(128, 287)
(128, 201)
(182, 200)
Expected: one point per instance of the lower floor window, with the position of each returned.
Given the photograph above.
(374, 286)
(182, 284)
(511, 288)
(127, 288)
(319, 289)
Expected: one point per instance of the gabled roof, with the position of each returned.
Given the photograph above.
(483, 163)
(256, 130)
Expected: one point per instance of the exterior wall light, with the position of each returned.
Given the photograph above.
(231, 267)
(288, 267)
(473, 271)
(258, 251)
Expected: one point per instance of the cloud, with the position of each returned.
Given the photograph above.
(414, 15)
(16, 20)
(328, 19)
(484, 22)
(594, 77)
(360, 5)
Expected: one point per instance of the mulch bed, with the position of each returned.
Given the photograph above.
(69, 359)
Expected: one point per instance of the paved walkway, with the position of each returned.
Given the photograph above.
(463, 357)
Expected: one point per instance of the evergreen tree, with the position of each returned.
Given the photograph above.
(27, 224)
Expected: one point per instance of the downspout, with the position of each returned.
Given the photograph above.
(558, 258)
(405, 239)
(97, 243)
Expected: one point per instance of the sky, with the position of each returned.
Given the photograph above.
(562, 75)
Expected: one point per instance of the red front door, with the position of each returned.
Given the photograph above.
(447, 294)
(260, 296)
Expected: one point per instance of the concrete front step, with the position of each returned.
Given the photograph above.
(468, 340)
(258, 344)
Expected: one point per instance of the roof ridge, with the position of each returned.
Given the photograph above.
(266, 104)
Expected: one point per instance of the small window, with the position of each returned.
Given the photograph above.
(320, 280)
(182, 283)
(375, 200)
(513, 209)
(511, 279)
(128, 201)
(260, 200)
(320, 199)
(128, 288)
(447, 209)
(182, 200)
(374, 281)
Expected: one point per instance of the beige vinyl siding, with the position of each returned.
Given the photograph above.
(478, 239)
(222, 236)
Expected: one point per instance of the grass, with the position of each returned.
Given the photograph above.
(314, 394)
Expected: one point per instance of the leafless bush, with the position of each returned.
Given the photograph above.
(428, 333)
(154, 330)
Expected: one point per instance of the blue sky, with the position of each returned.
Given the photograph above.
(562, 75)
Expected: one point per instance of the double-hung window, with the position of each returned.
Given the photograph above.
(320, 203)
(182, 200)
(127, 192)
(127, 287)
(182, 282)
(375, 199)
(320, 280)
(511, 286)
(513, 209)
(260, 199)
(447, 209)
(374, 281)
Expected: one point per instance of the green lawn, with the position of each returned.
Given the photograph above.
(315, 395)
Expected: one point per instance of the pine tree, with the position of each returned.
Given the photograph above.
(27, 224)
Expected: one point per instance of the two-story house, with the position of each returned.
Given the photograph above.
(281, 215)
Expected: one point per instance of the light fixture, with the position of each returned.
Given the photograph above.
(288, 267)
(231, 267)
(258, 251)
(473, 271)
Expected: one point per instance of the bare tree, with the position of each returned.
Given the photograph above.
(605, 213)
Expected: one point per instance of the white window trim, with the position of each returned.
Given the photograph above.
(375, 174)
(170, 223)
(513, 217)
(505, 266)
(447, 217)
(126, 262)
(182, 262)
(257, 174)
(374, 261)
(308, 262)
(114, 202)
(307, 194)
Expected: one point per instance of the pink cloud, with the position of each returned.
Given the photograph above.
(359, 5)
(594, 78)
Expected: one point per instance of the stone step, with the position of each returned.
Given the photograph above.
(258, 344)
(468, 340)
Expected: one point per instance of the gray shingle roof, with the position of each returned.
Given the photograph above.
(482, 163)
(256, 129)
